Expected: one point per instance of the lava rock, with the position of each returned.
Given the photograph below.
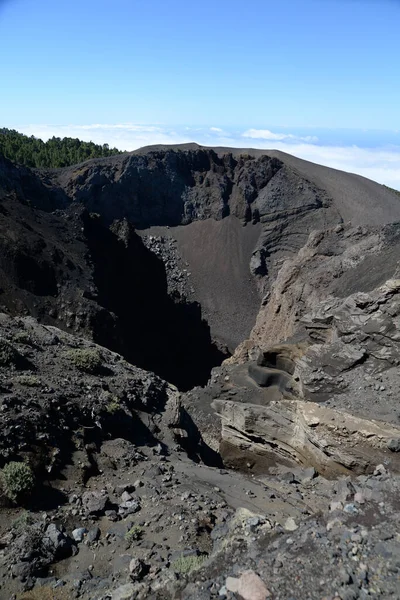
(79, 533)
(95, 503)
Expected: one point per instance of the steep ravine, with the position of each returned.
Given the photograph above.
(72, 271)
(155, 331)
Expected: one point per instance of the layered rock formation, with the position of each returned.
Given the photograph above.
(329, 392)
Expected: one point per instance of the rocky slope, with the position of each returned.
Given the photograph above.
(125, 505)
(276, 479)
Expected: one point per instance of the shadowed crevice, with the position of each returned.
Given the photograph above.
(152, 330)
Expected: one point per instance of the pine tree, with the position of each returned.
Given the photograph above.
(54, 153)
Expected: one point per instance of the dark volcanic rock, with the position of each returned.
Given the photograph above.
(43, 407)
(169, 187)
(69, 269)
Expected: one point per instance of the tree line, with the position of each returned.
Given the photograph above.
(56, 152)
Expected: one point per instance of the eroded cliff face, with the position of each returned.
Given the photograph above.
(333, 263)
(71, 270)
(201, 200)
(169, 187)
(322, 359)
(71, 257)
(173, 187)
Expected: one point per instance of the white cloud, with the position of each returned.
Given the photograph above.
(266, 134)
(216, 129)
(118, 126)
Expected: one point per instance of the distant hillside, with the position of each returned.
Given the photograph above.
(56, 152)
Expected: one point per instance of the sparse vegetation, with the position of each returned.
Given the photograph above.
(21, 522)
(134, 534)
(28, 380)
(113, 406)
(17, 480)
(22, 337)
(86, 360)
(8, 354)
(186, 564)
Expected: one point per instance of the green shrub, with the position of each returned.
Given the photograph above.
(23, 521)
(113, 406)
(18, 481)
(134, 534)
(85, 360)
(22, 337)
(28, 380)
(8, 354)
(186, 564)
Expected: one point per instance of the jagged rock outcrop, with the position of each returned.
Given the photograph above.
(168, 187)
(328, 395)
(334, 262)
(293, 431)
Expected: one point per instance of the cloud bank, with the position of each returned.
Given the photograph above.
(380, 163)
(265, 134)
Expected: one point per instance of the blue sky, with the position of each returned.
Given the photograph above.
(319, 78)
